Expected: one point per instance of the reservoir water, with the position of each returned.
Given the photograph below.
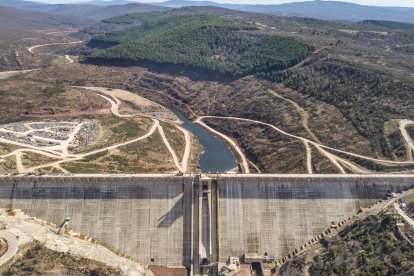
(217, 156)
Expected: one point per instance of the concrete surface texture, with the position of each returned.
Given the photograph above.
(143, 217)
(22, 229)
(160, 220)
(275, 215)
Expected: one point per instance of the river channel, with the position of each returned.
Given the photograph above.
(216, 156)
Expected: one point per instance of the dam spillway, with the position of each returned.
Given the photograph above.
(161, 219)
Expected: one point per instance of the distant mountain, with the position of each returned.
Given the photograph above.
(18, 23)
(115, 10)
(183, 3)
(334, 10)
(96, 9)
(19, 3)
(107, 3)
(329, 10)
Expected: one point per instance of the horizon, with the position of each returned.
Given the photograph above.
(378, 3)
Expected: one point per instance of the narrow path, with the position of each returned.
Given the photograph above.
(407, 137)
(115, 110)
(170, 149)
(12, 245)
(48, 154)
(331, 158)
(113, 147)
(30, 49)
(19, 163)
(406, 218)
(41, 150)
(60, 151)
(115, 107)
(115, 103)
(304, 114)
(7, 74)
(308, 157)
(187, 150)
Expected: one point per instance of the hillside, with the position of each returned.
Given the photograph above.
(350, 93)
(390, 24)
(40, 260)
(17, 23)
(368, 247)
(205, 42)
(366, 97)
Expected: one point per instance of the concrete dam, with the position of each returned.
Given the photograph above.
(185, 220)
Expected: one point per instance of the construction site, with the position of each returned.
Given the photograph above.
(199, 222)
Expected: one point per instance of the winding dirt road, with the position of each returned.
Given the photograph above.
(115, 104)
(322, 148)
(61, 152)
(12, 245)
(7, 74)
(408, 139)
(303, 113)
(30, 49)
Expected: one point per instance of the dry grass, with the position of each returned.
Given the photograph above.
(39, 260)
(22, 99)
(149, 155)
(31, 159)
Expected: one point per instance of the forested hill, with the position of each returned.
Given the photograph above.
(200, 41)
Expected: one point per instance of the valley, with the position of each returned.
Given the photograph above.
(197, 138)
(299, 123)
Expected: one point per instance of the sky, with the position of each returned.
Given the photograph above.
(394, 3)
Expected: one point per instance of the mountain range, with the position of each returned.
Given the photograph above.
(328, 10)
(96, 9)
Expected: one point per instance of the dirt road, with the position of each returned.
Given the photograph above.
(7, 74)
(30, 49)
(408, 139)
(321, 147)
(12, 244)
(69, 59)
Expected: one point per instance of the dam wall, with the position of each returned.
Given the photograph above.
(147, 218)
(183, 220)
(275, 215)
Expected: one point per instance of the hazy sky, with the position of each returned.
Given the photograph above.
(400, 3)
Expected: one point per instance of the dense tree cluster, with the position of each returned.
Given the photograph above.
(131, 18)
(201, 41)
(391, 24)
